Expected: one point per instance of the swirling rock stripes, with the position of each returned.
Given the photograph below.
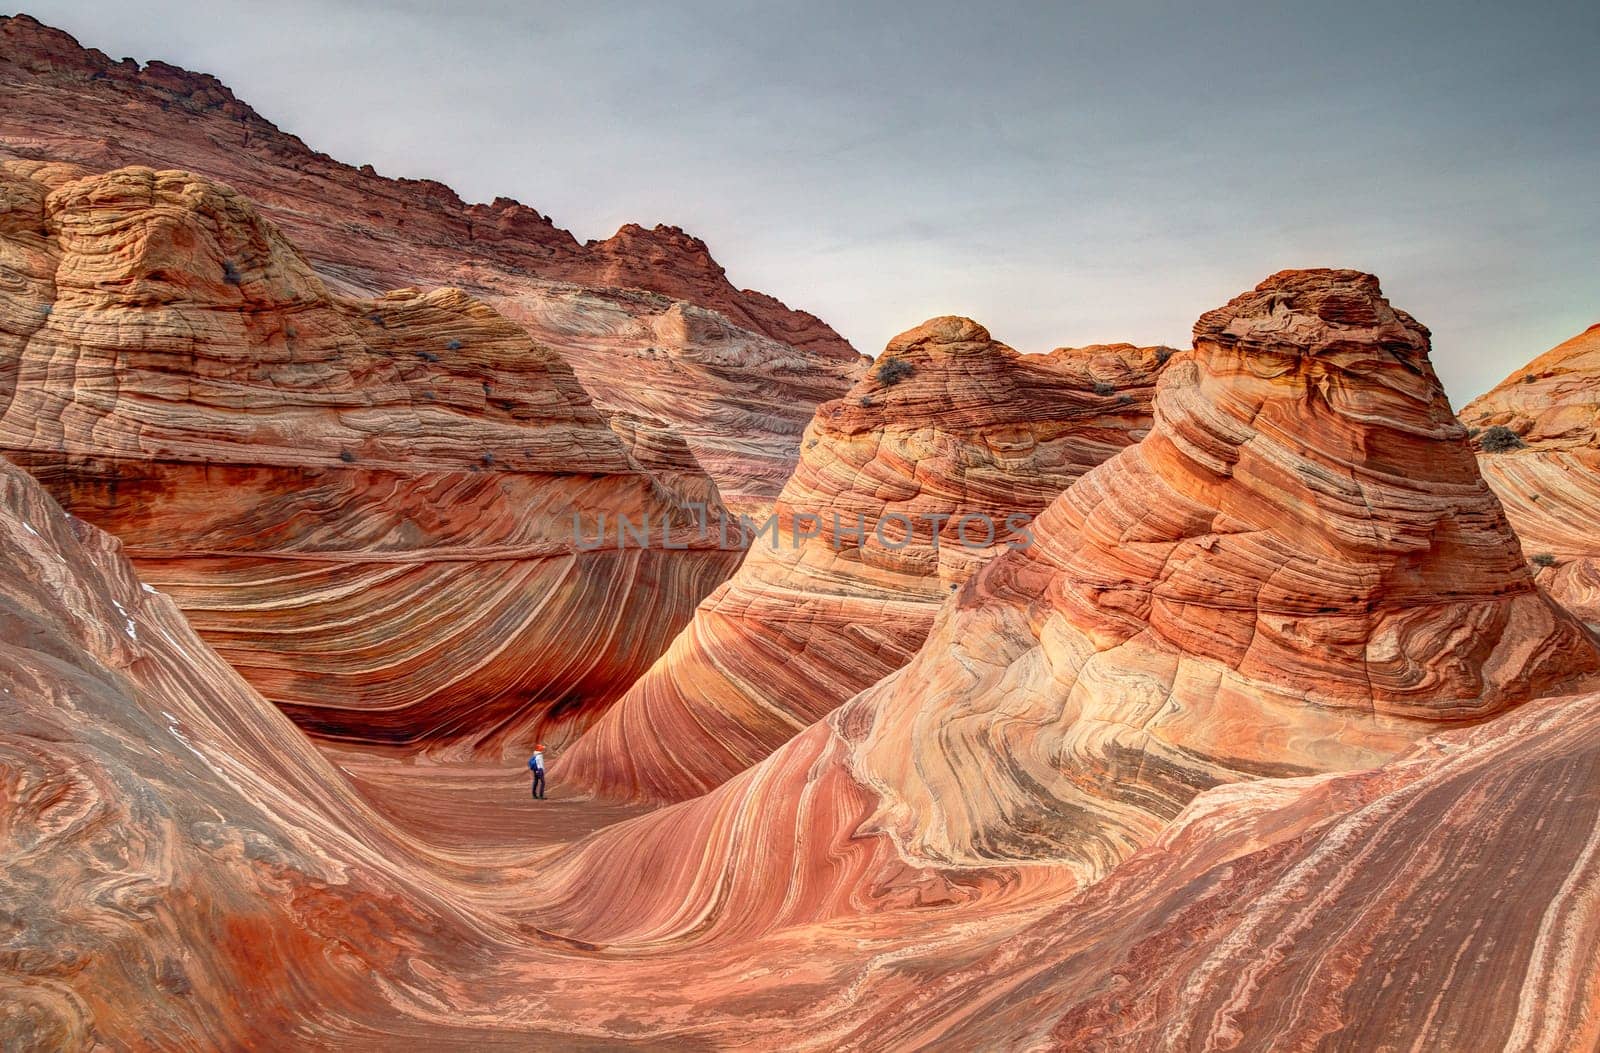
(171, 841)
(1443, 901)
(1548, 475)
(1298, 570)
(635, 315)
(951, 425)
(372, 508)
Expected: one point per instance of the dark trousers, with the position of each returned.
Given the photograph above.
(538, 784)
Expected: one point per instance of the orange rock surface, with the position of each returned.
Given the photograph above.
(372, 508)
(755, 369)
(1269, 739)
(1443, 901)
(926, 469)
(1298, 570)
(182, 869)
(1547, 471)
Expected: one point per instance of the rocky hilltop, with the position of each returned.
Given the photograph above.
(379, 511)
(926, 469)
(366, 234)
(1538, 438)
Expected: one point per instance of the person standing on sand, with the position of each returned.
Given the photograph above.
(536, 765)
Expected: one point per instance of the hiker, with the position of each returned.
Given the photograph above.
(536, 765)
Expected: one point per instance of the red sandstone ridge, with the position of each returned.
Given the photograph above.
(952, 424)
(1538, 437)
(367, 506)
(1297, 571)
(70, 103)
(366, 234)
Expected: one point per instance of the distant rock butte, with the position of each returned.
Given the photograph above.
(366, 234)
(951, 424)
(1298, 570)
(1548, 474)
(366, 506)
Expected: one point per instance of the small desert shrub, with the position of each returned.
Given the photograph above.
(427, 356)
(1162, 355)
(866, 401)
(1528, 378)
(1473, 433)
(892, 371)
(229, 274)
(488, 458)
(454, 345)
(347, 457)
(1501, 439)
(1543, 559)
(1104, 387)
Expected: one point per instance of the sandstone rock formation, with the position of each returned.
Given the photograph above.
(926, 469)
(182, 869)
(1538, 437)
(373, 509)
(1443, 901)
(756, 368)
(1298, 570)
(736, 400)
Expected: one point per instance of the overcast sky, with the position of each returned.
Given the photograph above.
(1065, 174)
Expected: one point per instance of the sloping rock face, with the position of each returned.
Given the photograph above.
(373, 509)
(182, 868)
(660, 450)
(366, 234)
(1298, 570)
(1410, 907)
(1538, 440)
(922, 472)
